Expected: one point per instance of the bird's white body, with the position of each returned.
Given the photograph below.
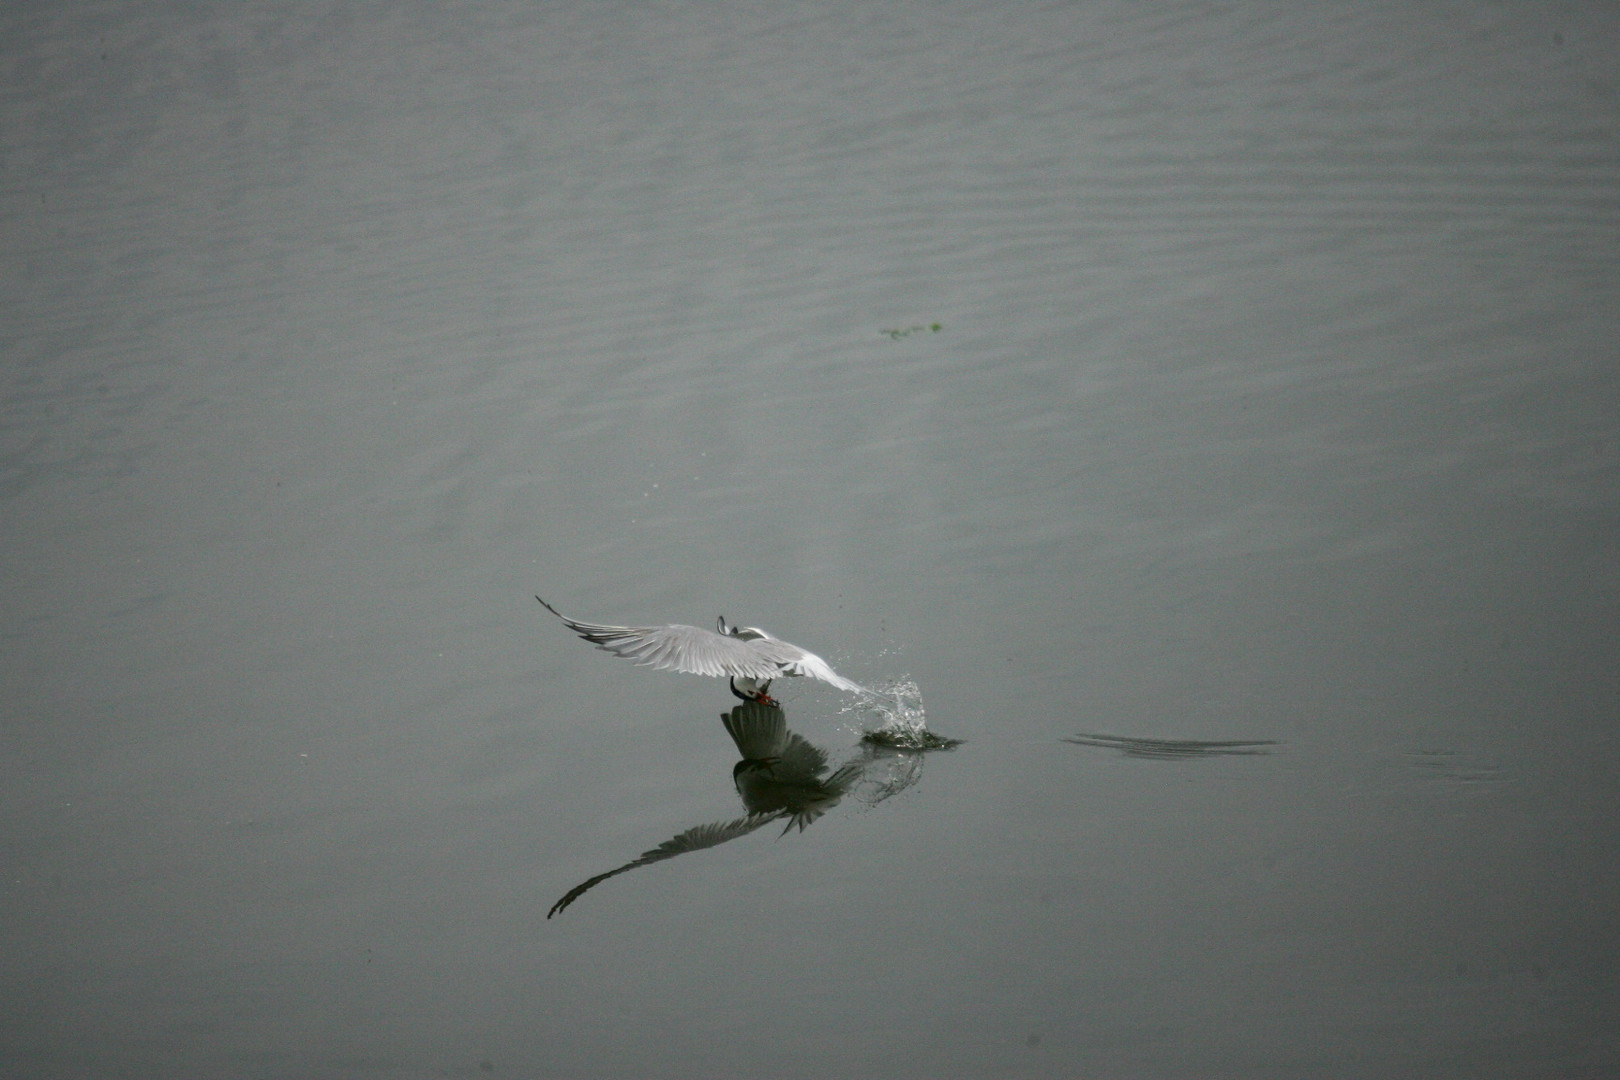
(747, 655)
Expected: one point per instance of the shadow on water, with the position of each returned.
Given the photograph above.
(1174, 748)
(783, 777)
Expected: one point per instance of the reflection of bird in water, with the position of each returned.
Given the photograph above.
(747, 654)
(779, 776)
(781, 772)
(694, 839)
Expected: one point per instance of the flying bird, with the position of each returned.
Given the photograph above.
(747, 655)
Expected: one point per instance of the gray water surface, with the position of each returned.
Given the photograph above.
(1128, 385)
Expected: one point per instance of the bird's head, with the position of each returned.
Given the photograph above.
(744, 633)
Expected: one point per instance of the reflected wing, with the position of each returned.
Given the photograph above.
(807, 810)
(693, 839)
(759, 730)
(677, 648)
(801, 757)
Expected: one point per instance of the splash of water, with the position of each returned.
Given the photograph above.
(894, 717)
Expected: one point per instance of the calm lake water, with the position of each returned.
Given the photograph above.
(1206, 412)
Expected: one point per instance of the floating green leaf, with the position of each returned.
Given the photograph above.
(896, 335)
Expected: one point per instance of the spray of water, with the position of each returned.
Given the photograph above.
(892, 715)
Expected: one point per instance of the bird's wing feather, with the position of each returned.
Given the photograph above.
(676, 648)
(793, 660)
(817, 668)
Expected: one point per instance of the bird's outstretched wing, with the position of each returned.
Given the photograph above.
(797, 661)
(677, 648)
(703, 652)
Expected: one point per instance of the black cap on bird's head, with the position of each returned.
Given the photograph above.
(743, 633)
(754, 690)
